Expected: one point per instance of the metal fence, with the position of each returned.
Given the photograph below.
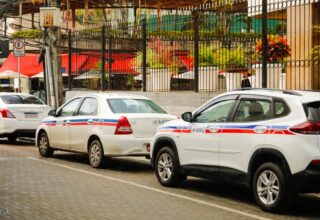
(211, 47)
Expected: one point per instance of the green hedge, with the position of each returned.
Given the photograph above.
(28, 34)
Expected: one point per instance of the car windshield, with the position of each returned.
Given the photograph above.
(312, 110)
(21, 99)
(134, 106)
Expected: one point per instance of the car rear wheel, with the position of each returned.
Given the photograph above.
(270, 187)
(12, 138)
(168, 168)
(44, 146)
(96, 155)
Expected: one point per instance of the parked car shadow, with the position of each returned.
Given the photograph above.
(19, 141)
(123, 164)
(304, 206)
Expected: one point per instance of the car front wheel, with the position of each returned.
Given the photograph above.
(96, 155)
(168, 168)
(44, 146)
(269, 187)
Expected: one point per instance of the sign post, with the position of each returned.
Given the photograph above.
(19, 51)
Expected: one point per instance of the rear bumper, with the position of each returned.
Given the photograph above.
(122, 145)
(19, 128)
(20, 133)
(307, 181)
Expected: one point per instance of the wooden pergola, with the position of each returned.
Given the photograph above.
(32, 6)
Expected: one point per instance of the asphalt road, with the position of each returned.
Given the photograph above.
(66, 187)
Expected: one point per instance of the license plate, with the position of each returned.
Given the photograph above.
(30, 115)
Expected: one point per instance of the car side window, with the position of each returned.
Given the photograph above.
(89, 107)
(253, 110)
(70, 108)
(281, 109)
(216, 113)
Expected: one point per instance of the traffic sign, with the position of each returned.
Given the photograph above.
(18, 48)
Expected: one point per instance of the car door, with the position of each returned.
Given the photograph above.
(247, 131)
(201, 146)
(82, 123)
(60, 133)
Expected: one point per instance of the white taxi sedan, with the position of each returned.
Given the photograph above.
(102, 125)
(20, 115)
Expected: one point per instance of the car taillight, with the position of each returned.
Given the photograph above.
(315, 162)
(123, 126)
(308, 127)
(6, 113)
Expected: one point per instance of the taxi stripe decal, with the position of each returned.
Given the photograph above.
(230, 129)
(83, 122)
(49, 123)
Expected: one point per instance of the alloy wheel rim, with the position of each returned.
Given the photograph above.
(165, 166)
(268, 187)
(43, 144)
(95, 154)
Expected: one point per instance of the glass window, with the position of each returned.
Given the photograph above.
(89, 107)
(216, 113)
(134, 106)
(70, 108)
(281, 109)
(253, 110)
(313, 111)
(21, 99)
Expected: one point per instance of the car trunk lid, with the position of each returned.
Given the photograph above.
(29, 112)
(145, 125)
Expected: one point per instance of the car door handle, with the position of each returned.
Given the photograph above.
(67, 123)
(90, 122)
(260, 129)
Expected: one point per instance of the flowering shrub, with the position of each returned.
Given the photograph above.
(277, 49)
(159, 55)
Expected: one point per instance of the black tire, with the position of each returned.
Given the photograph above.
(96, 154)
(44, 145)
(167, 156)
(276, 203)
(12, 139)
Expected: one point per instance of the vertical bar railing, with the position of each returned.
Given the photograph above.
(110, 62)
(264, 44)
(69, 61)
(196, 49)
(144, 55)
(103, 57)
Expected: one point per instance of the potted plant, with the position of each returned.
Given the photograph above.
(277, 50)
(161, 65)
(208, 70)
(232, 64)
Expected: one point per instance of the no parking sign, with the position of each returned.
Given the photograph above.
(18, 48)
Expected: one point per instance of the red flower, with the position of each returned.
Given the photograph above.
(277, 49)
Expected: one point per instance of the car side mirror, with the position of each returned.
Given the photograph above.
(52, 112)
(187, 116)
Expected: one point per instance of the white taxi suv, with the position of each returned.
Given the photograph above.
(102, 125)
(265, 139)
(20, 115)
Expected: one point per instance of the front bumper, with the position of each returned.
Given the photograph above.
(307, 181)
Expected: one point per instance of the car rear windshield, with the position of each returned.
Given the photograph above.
(134, 106)
(312, 110)
(20, 99)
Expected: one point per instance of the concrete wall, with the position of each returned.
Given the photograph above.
(173, 102)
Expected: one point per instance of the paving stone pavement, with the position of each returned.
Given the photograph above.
(44, 189)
